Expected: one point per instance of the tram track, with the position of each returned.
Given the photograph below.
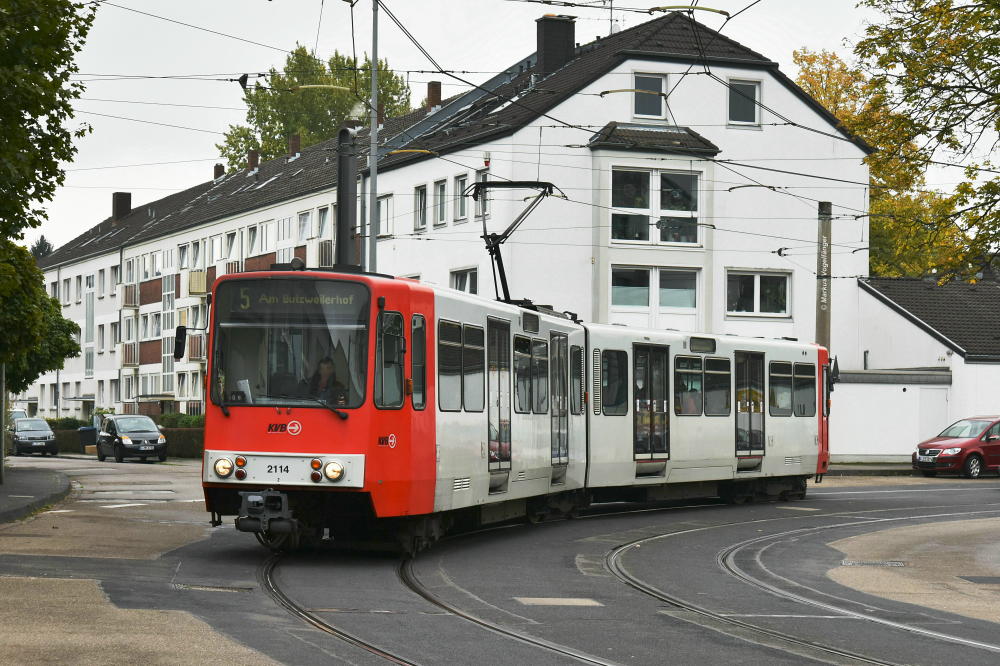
(726, 560)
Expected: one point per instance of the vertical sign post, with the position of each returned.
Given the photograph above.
(3, 416)
(823, 276)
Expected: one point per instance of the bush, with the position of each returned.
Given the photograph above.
(181, 420)
(66, 423)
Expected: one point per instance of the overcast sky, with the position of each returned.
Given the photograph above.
(126, 51)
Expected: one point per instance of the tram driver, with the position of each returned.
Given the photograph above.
(325, 385)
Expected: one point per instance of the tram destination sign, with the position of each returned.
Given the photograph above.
(298, 296)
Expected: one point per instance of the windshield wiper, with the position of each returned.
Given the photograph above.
(225, 409)
(342, 414)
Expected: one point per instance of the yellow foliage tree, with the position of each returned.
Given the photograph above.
(913, 231)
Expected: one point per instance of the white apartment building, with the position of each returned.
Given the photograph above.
(689, 166)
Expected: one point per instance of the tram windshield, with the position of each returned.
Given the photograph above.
(290, 342)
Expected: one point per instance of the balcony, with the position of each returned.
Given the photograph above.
(196, 347)
(326, 253)
(130, 354)
(197, 283)
(232, 267)
(128, 295)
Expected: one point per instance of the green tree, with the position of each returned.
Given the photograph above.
(912, 229)
(934, 63)
(277, 111)
(36, 338)
(38, 41)
(41, 248)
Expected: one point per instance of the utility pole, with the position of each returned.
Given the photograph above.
(823, 275)
(373, 150)
(3, 417)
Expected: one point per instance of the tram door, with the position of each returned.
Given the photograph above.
(498, 392)
(558, 382)
(749, 409)
(651, 429)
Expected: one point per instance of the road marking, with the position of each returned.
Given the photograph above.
(61, 511)
(557, 601)
(913, 490)
(22, 496)
(120, 506)
(796, 508)
(814, 617)
(200, 499)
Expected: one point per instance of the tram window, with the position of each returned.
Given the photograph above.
(389, 353)
(522, 375)
(717, 387)
(804, 399)
(473, 365)
(449, 386)
(576, 379)
(614, 382)
(539, 376)
(687, 385)
(418, 361)
(781, 389)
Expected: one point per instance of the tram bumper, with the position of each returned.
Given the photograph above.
(265, 511)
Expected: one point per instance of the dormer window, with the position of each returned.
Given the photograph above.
(649, 104)
(744, 102)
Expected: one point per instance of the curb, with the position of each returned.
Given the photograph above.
(19, 512)
(878, 471)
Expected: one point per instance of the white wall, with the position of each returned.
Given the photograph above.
(893, 341)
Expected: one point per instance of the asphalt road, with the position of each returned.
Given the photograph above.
(879, 570)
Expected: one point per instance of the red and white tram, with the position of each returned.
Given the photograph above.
(375, 407)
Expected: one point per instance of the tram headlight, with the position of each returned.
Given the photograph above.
(223, 467)
(333, 470)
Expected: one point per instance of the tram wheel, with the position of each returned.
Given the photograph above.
(280, 543)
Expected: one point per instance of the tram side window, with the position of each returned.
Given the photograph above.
(539, 376)
(418, 361)
(687, 385)
(781, 389)
(473, 366)
(804, 399)
(449, 366)
(389, 354)
(717, 387)
(576, 379)
(614, 382)
(522, 375)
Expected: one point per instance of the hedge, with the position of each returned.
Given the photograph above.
(181, 442)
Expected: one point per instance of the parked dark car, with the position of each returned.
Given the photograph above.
(968, 447)
(130, 436)
(30, 435)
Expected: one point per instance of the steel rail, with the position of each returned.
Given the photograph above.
(265, 574)
(409, 579)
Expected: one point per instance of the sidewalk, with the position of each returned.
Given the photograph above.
(871, 469)
(25, 490)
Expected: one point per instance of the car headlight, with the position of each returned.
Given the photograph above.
(952, 451)
(223, 467)
(161, 440)
(51, 436)
(333, 470)
(126, 440)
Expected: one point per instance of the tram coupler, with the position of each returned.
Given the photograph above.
(265, 511)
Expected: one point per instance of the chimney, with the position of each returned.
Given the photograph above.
(381, 114)
(220, 171)
(253, 159)
(121, 205)
(556, 41)
(294, 145)
(433, 94)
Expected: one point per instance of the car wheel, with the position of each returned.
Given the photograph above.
(119, 454)
(928, 472)
(17, 451)
(162, 457)
(973, 467)
(100, 454)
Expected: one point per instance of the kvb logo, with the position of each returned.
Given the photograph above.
(292, 428)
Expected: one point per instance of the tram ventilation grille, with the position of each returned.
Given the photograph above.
(793, 460)
(520, 476)
(596, 370)
(461, 484)
(872, 563)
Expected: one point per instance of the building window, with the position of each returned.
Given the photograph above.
(196, 255)
(483, 204)
(440, 203)
(323, 220)
(113, 390)
(114, 334)
(466, 280)
(65, 289)
(678, 289)
(461, 213)
(88, 365)
(304, 224)
(284, 255)
(182, 385)
(420, 208)
(182, 256)
(231, 245)
(54, 289)
(154, 261)
(88, 326)
(101, 283)
(630, 286)
(114, 275)
(100, 339)
(757, 293)
(384, 213)
(252, 241)
(674, 206)
(649, 104)
(79, 288)
(744, 102)
(155, 325)
(90, 281)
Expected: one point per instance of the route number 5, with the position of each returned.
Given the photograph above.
(244, 298)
